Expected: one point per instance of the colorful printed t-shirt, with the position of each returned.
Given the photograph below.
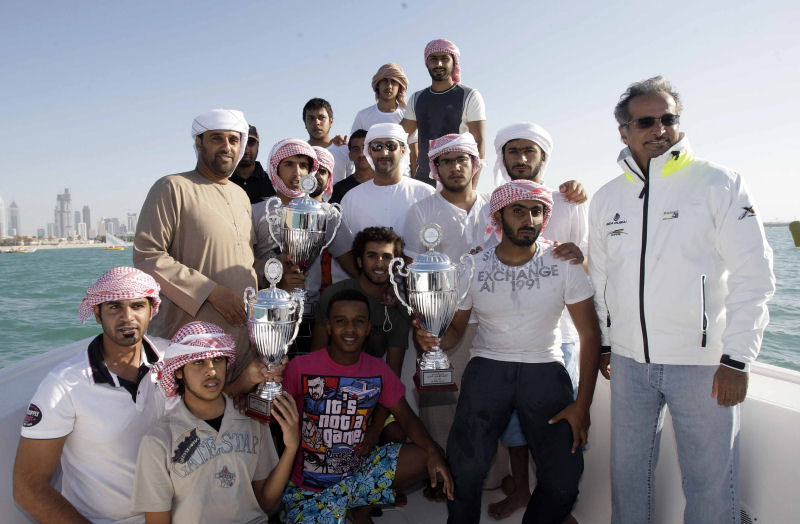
(335, 402)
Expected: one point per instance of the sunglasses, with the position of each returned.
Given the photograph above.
(376, 147)
(646, 122)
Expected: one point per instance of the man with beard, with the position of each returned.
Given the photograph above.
(446, 107)
(517, 294)
(384, 200)
(249, 175)
(195, 236)
(523, 152)
(318, 119)
(676, 242)
(363, 171)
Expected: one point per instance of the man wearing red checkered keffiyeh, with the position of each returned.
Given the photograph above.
(178, 478)
(516, 296)
(290, 159)
(446, 107)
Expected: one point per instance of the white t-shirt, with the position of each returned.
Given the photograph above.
(568, 223)
(461, 231)
(368, 205)
(518, 307)
(200, 474)
(342, 165)
(103, 427)
(369, 116)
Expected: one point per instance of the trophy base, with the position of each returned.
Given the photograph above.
(259, 408)
(435, 380)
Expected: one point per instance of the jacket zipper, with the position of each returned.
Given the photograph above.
(645, 196)
(704, 316)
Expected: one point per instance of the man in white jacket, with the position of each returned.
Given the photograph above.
(682, 273)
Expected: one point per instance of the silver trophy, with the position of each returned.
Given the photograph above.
(272, 323)
(299, 227)
(432, 284)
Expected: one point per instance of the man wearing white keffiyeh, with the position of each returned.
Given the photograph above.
(194, 236)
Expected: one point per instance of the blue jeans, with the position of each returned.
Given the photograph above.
(512, 437)
(490, 391)
(706, 434)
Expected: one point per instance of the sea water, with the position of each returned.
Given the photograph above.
(40, 293)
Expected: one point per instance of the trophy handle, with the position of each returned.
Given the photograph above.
(399, 262)
(249, 294)
(272, 217)
(299, 303)
(463, 262)
(338, 213)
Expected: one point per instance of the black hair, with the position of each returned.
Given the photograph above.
(318, 103)
(359, 133)
(383, 235)
(348, 295)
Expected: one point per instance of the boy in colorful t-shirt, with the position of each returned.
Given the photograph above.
(336, 389)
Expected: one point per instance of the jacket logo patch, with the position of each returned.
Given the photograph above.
(186, 448)
(32, 417)
(669, 215)
(749, 211)
(616, 219)
(225, 477)
(617, 232)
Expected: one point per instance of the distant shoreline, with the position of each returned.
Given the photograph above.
(5, 249)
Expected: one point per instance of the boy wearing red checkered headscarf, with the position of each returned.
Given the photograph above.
(516, 296)
(205, 461)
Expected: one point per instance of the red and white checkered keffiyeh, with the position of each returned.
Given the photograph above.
(194, 341)
(463, 143)
(446, 46)
(284, 149)
(326, 160)
(120, 283)
(512, 192)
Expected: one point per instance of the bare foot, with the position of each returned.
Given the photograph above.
(360, 515)
(507, 506)
(507, 485)
(434, 494)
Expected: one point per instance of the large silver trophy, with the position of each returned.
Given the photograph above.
(273, 321)
(432, 284)
(299, 227)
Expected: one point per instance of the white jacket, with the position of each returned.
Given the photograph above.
(681, 268)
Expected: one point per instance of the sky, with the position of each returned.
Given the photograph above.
(99, 96)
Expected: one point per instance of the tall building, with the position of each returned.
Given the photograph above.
(51, 230)
(2, 218)
(101, 228)
(87, 216)
(77, 219)
(82, 233)
(132, 222)
(64, 226)
(40, 232)
(14, 228)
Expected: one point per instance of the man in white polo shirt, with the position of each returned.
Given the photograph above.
(91, 411)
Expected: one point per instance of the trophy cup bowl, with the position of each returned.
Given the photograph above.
(432, 284)
(300, 227)
(273, 319)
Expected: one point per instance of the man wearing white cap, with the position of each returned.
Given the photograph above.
(384, 200)
(195, 236)
(447, 106)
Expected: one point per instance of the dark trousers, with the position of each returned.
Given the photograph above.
(490, 391)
